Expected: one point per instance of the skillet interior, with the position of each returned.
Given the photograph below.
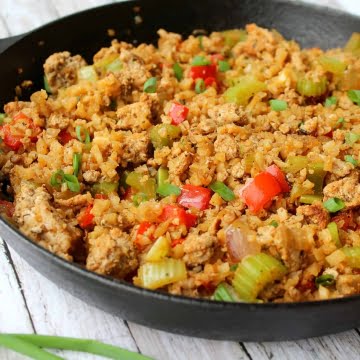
(86, 32)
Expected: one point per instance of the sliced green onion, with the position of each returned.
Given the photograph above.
(25, 347)
(334, 205)
(224, 191)
(150, 85)
(340, 121)
(274, 223)
(278, 105)
(309, 198)
(104, 188)
(79, 134)
(201, 42)
(87, 73)
(2, 118)
(330, 101)
(254, 273)
(352, 256)
(199, 86)
(72, 182)
(354, 96)
(162, 176)
(225, 292)
(200, 60)
(351, 138)
(46, 85)
(324, 280)
(351, 160)
(138, 198)
(223, 65)
(334, 232)
(76, 163)
(57, 178)
(178, 71)
(82, 345)
(168, 189)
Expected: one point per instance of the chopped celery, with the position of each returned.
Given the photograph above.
(352, 256)
(133, 179)
(249, 162)
(297, 191)
(158, 250)
(164, 135)
(317, 175)
(353, 44)
(332, 65)
(225, 292)
(147, 187)
(87, 73)
(232, 37)
(104, 188)
(254, 273)
(246, 87)
(115, 66)
(334, 232)
(351, 138)
(158, 274)
(103, 63)
(2, 118)
(162, 176)
(168, 189)
(310, 198)
(307, 87)
(333, 205)
(296, 163)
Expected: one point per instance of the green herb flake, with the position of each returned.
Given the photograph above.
(224, 65)
(278, 105)
(324, 280)
(330, 101)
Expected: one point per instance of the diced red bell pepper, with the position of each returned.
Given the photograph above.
(176, 242)
(178, 113)
(175, 212)
(210, 81)
(64, 137)
(260, 191)
(194, 196)
(14, 131)
(203, 71)
(7, 207)
(279, 176)
(101, 196)
(143, 228)
(86, 218)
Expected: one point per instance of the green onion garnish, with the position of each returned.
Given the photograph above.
(309, 198)
(324, 280)
(222, 293)
(57, 178)
(334, 233)
(333, 205)
(2, 118)
(274, 223)
(150, 85)
(139, 198)
(340, 121)
(351, 138)
(31, 344)
(224, 191)
(168, 189)
(332, 100)
(199, 86)
(46, 85)
(72, 182)
(223, 65)
(76, 163)
(354, 96)
(201, 46)
(233, 267)
(79, 134)
(178, 71)
(350, 159)
(278, 105)
(200, 60)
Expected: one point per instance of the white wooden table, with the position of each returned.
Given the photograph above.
(30, 303)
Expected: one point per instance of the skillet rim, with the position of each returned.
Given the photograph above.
(127, 286)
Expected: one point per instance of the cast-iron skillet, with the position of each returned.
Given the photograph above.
(85, 33)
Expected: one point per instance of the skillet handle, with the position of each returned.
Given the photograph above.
(6, 42)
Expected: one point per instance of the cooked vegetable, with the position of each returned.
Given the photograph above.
(353, 44)
(274, 223)
(332, 65)
(334, 232)
(223, 65)
(340, 121)
(225, 292)
(260, 191)
(279, 176)
(162, 176)
(158, 274)
(200, 60)
(324, 280)
(310, 198)
(203, 71)
(79, 134)
(139, 197)
(232, 37)
(178, 216)
(246, 87)
(278, 105)
(224, 191)
(87, 73)
(115, 66)
(64, 137)
(254, 273)
(295, 164)
(194, 196)
(150, 85)
(159, 250)
(178, 113)
(143, 231)
(7, 207)
(104, 187)
(200, 86)
(57, 178)
(311, 88)
(351, 160)
(86, 218)
(76, 163)
(164, 134)
(351, 138)
(352, 255)
(354, 96)
(330, 101)
(316, 174)
(72, 182)
(334, 205)
(46, 85)
(168, 189)
(178, 71)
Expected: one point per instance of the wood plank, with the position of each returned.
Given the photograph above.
(164, 346)
(55, 312)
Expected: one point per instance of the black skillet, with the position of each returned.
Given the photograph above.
(85, 33)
